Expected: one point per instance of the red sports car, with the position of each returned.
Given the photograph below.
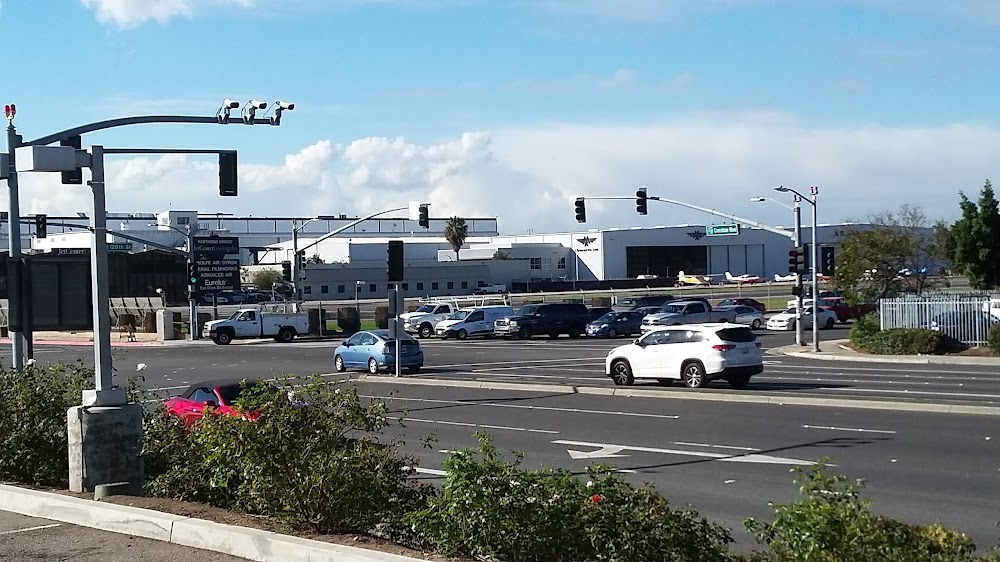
(221, 395)
(755, 304)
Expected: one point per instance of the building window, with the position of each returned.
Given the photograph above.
(420, 286)
(324, 289)
(341, 289)
(561, 264)
(406, 286)
(372, 288)
(465, 284)
(434, 286)
(307, 290)
(451, 284)
(536, 263)
(183, 220)
(546, 263)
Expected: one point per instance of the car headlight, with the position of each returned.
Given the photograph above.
(604, 325)
(513, 323)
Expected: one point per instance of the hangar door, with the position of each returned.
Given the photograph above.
(665, 261)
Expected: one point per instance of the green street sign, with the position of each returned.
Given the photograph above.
(120, 247)
(722, 229)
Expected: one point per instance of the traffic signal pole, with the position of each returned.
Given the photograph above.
(797, 241)
(192, 297)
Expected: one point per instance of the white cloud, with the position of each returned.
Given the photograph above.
(529, 176)
(621, 79)
(131, 13)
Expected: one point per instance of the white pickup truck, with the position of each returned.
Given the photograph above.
(490, 289)
(422, 320)
(686, 312)
(279, 321)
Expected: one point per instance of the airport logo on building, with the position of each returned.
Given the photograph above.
(586, 241)
(696, 234)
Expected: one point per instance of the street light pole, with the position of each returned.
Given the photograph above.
(14, 249)
(796, 242)
(815, 273)
(192, 299)
(104, 393)
(295, 261)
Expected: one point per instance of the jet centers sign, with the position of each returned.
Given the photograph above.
(216, 272)
(585, 243)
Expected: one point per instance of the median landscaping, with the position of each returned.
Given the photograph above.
(867, 336)
(316, 460)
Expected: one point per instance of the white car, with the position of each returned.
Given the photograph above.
(785, 321)
(747, 316)
(695, 353)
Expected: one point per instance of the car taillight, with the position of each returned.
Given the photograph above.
(758, 344)
(724, 347)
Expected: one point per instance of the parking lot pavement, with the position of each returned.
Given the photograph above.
(28, 539)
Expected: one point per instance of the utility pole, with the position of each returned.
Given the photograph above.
(799, 330)
(295, 261)
(815, 273)
(192, 290)
(14, 254)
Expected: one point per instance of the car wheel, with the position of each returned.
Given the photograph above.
(621, 373)
(524, 333)
(338, 363)
(373, 366)
(739, 382)
(693, 374)
(756, 324)
(426, 331)
(286, 335)
(612, 333)
(553, 335)
(829, 323)
(462, 334)
(576, 334)
(413, 369)
(223, 338)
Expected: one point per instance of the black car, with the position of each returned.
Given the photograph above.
(632, 303)
(553, 319)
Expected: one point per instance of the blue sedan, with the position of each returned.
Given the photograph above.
(614, 324)
(375, 350)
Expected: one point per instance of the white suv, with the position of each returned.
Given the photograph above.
(696, 354)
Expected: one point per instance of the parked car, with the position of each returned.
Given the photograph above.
(597, 312)
(785, 321)
(375, 350)
(631, 303)
(747, 316)
(471, 322)
(220, 395)
(422, 320)
(283, 322)
(693, 311)
(614, 324)
(545, 318)
(752, 303)
(696, 354)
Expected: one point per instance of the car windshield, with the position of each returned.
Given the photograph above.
(527, 310)
(790, 310)
(459, 315)
(425, 308)
(231, 393)
(609, 317)
(627, 302)
(672, 308)
(234, 315)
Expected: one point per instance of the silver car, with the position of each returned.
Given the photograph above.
(747, 316)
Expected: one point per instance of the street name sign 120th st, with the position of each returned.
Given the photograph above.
(216, 272)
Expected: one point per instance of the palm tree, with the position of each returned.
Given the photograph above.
(455, 232)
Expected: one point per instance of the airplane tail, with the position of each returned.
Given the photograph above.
(729, 276)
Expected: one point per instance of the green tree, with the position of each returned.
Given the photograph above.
(977, 240)
(888, 257)
(264, 278)
(315, 259)
(455, 232)
(501, 255)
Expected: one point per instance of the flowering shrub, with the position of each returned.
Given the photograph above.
(490, 508)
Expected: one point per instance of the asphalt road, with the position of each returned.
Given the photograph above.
(28, 539)
(728, 460)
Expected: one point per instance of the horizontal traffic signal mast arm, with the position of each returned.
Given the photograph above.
(139, 120)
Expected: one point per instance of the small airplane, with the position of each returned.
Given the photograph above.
(696, 280)
(746, 279)
(784, 278)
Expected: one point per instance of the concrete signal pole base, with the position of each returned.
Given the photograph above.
(105, 447)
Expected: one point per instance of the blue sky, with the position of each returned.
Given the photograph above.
(514, 108)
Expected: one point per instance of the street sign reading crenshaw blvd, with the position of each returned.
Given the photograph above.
(722, 230)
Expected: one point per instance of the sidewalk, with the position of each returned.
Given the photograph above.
(838, 350)
(86, 338)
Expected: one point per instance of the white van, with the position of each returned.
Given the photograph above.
(473, 321)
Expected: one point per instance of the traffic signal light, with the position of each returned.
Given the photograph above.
(41, 230)
(300, 257)
(581, 209)
(286, 271)
(796, 261)
(424, 220)
(829, 261)
(640, 201)
(228, 181)
(395, 261)
(192, 274)
(76, 176)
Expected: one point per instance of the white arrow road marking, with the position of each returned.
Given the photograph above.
(606, 452)
(748, 458)
(859, 430)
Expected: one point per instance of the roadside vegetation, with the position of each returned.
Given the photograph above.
(867, 335)
(321, 460)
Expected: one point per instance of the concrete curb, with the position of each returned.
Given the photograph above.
(253, 544)
(707, 396)
(854, 356)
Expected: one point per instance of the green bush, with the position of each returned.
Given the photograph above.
(33, 404)
(491, 509)
(866, 335)
(318, 467)
(831, 523)
(993, 339)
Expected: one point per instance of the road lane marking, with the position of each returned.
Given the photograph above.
(886, 391)
(27, 529)
(753, 458)
(859, 430)
(685, 444)
(526, 407)
(523, 362)
(431, 471)
(893, 367)
(483, 426)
